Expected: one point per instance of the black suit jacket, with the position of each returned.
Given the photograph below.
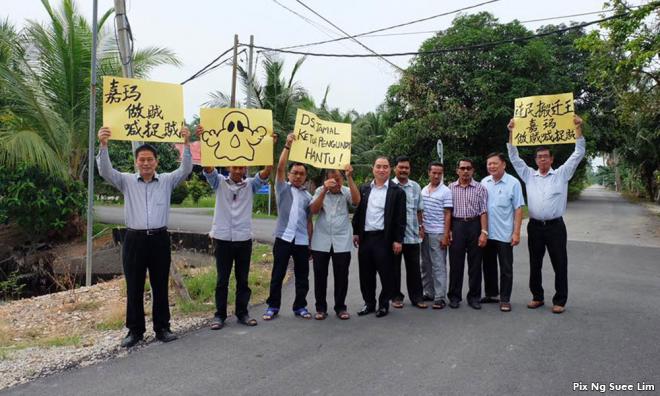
(395, 212)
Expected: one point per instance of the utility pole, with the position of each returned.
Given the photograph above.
(90, 151)
(124, 37)
(250, 73)
(233, 72)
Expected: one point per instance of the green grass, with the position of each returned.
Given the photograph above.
(207, 201)
(201, 286)
(74, 340)
(110, 324)
(102, 229)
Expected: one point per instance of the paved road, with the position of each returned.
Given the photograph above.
(609, 333)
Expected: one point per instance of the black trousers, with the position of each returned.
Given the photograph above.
(494, 251)
(375, 257)
(228, 253)
(340, 263)
(465, 239)
(282, 251)
(550, 235)
(410, 254)
(140, 253)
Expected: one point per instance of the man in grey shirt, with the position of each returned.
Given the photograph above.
(332, 238)
(146, 245)
(232, 236)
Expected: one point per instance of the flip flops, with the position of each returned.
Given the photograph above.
(270, 313)
(302, 313)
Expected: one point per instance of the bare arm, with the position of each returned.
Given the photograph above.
(483, 238)
(446, 240)
(284, 157)
(517, 222)
(355, 192)
(317, 203)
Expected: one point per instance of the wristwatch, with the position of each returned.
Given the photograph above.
(484, 232)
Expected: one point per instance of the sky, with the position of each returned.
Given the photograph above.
(199, 30)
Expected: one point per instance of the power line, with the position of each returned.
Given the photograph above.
(202, 70)
(349, 36)
(526, 21)
(391, 27)
(446, 50)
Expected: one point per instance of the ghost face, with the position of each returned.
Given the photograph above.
(235, 139)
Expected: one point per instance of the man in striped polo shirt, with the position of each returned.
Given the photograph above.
(469, 234)
(437, 215)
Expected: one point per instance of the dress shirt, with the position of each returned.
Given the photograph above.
(232, 218)
(414, 204)
(146, 205)
(333, 227)
(504, 197)
(293, 212)
(546, 195)
(375, 216)
(469, 201)
(435, 204)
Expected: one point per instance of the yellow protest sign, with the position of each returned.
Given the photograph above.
(320, 143)
(142, 110)
(546, 119)
(236, 137)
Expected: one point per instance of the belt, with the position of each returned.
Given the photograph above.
(546, 222)
(373, 233)
(466, 219)
(151, 231)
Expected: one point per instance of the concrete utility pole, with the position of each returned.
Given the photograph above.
(233, 72)
(90, 151)
(125, 43)
(250, 73)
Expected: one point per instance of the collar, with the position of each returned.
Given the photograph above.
(550, 172)
(139, 178)
(386, 185)
(233, 183)
(473, 183)
(301, 188)
(395, 180)
(504, 178)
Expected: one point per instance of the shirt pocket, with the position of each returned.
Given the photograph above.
(502, 199)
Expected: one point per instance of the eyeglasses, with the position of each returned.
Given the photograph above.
(465, 168)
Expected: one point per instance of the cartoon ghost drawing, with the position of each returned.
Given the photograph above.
(235, 139)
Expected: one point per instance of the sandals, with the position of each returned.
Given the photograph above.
(247, 321)
(421, 305)
(321, 315)
(302, 313)
(397, 304)
(505, 307)
(217, 323)
(439, 305)
(343, 315)
(270, 313)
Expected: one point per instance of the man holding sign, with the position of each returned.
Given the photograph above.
(547, 191)
(232, 235)
(147, 243)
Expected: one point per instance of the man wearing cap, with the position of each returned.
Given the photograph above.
(146, 245)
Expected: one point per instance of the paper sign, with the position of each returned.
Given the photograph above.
(540, 120)
(142, 110)
(320, 143)
(236, 137)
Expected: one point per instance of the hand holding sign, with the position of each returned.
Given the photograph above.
(320, 143)
(141, 110)
(540, 120)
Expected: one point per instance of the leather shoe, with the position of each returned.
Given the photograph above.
(131, 340)
(454, 304)
(535, 304)
(366, 310)
(381, 312)
(475, 304)
(558, 309)
(165, 336)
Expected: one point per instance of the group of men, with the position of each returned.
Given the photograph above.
(393, 219)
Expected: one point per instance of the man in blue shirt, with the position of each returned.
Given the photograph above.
(505, 202)
(292, 235)
(146, 245)
(547, 191)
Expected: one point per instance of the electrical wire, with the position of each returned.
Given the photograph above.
(203, 69)
(392, 27)
(446, 50)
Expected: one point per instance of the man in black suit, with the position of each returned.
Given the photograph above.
(379, 224)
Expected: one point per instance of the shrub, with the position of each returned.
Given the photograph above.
(179, 193)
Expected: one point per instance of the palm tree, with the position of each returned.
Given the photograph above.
(47, 85)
